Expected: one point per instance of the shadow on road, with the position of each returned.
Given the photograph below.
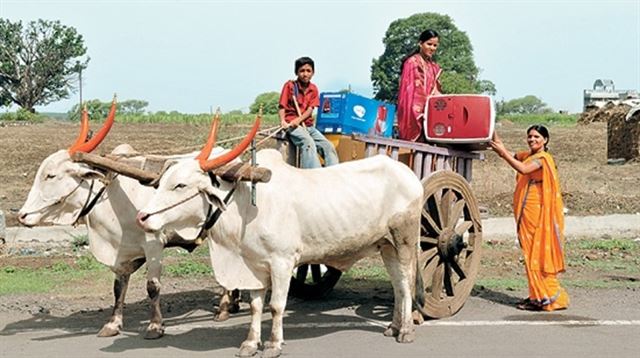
(194, 310)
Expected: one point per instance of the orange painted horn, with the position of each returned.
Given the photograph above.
(211, 140)
(208, 165)
(84, 129)
(102, 133)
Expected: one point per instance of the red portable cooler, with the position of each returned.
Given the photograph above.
(460, 119)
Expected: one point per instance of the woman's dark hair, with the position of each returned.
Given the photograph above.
(303, 61)
(544, 132)
(426, 35)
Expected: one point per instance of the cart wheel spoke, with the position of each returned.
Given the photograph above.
(427, 256)
(444, 207)
(316, 274)
(448, 285)
(463, 227)
(459, 271)
(433, 224)
(436, 286)
(456, 212)
(429, 240)
(301, 273)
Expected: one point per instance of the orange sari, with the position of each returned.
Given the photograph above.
(538, 209)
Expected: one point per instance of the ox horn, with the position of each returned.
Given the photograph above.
(84, 129)
(211, 140)
(99, 137)
(208, 165)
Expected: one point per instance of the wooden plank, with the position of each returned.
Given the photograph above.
(422, 147)
(394, 153)
(439, 162)
(447, 163)
(369, 150)
(417, 164)
(468, 164)
(460, 166)
(427, 167)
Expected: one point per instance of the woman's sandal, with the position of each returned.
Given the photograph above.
(528, 305)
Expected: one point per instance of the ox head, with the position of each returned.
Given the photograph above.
(61, 186)
(187, 191)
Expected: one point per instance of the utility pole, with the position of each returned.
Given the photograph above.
(80, 88)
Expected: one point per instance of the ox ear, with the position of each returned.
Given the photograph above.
(88, 173)
(213, 198)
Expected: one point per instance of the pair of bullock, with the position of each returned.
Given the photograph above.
(333, 216)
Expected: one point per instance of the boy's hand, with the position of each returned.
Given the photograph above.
(284, 124)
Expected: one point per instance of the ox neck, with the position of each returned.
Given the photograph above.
(90, 203)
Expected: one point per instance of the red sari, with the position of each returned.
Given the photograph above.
(418, 81)
(538, 209)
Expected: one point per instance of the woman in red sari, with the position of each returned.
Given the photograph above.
(419, 80)
(538, 209)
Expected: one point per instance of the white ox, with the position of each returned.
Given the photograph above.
(334, 216)
(62, 189)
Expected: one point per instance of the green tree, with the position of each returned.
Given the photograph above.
(454, 55)
(269, 102)
(39, 62)
(524, 105)
(99, 110)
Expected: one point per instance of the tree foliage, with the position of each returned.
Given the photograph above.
(525, 105)
(269, 102)
(454, 55)
(39, 62)
(99, 110)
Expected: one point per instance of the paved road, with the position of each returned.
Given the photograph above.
(594, 326)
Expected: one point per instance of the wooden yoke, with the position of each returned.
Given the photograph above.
(148, 170)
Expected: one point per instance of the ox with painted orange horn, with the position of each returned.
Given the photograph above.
(82, 144)
(211, 164)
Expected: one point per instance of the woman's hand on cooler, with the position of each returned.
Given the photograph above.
(497, 145)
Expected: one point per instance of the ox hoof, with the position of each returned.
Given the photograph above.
(271, 350)
(406, 337)
(247, 349)
(417, 317)
(154, 331)
(391, 331)
(109, 331)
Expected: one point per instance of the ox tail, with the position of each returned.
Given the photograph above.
(419, 300)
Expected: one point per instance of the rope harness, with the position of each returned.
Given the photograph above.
(212, 216)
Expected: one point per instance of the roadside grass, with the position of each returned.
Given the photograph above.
(591, 263)
(542, 118)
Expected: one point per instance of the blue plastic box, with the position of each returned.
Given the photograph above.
(347, 113)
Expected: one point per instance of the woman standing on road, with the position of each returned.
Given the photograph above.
(538, 209)
(418, 81)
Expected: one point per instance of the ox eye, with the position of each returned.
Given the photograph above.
(49, 176)
(179, 186)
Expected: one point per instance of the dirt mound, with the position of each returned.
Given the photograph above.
(623, 136)
(604, 114)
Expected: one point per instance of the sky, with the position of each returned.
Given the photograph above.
(195, 55)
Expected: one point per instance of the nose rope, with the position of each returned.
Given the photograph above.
(174, 204)
(57, 202)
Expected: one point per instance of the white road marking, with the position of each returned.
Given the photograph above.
(369, 323)
(533, 323)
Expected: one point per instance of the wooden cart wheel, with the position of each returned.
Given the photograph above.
(313, 281)
(450, 242)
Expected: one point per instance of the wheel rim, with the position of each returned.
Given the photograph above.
(450, 243)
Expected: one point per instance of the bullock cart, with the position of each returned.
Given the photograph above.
(451, 229)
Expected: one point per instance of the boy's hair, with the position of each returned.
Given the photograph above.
(303, 61)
